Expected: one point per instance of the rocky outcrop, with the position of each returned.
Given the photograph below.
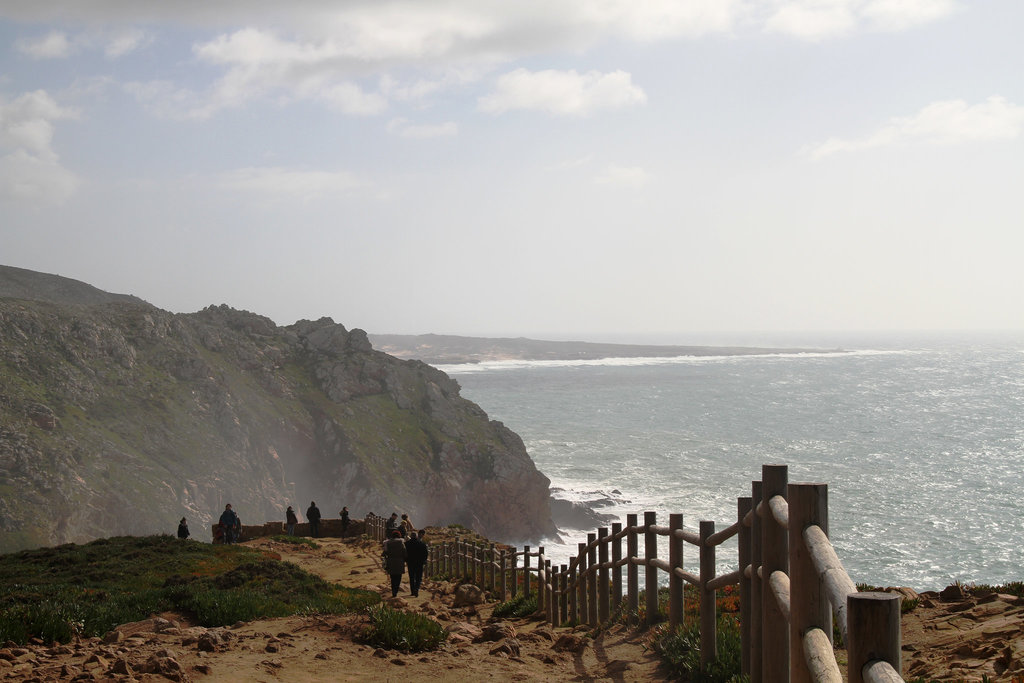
(117, 417)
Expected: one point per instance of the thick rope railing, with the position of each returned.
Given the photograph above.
(790, 581)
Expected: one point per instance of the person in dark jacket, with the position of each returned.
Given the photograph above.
(183, 529)
(229, 524)
(394, 560)
(313, 515)
(344, 521)
(392, 524)
(416, 557)
(290, 520)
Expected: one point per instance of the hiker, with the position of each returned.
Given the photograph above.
(229, 524)
(417, 554)
(313, 515)
(391, 525)
(344, 521)
(406, 526)
(290, 520)
(183, 529)
(394, 560)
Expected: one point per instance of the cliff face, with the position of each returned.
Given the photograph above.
(119, 418)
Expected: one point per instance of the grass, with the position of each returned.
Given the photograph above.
(522, 605)
(405, 631)
(680, 652)
(57, 593)
(295, 540)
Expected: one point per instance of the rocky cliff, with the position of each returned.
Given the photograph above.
(117, 417)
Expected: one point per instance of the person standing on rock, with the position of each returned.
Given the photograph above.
(406, 526)
(183, 529)
(344, 521)
(394, 560)
(313, 515)
(416, 557)
(290, 520)
(391, 525)
(229, 524)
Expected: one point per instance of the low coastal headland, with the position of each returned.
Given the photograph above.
(295, 608)
(441, 349)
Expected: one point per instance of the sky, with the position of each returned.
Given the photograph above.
(558, 169)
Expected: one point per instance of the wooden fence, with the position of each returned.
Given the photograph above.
(790, 580)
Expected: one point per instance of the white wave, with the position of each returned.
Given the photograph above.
(502, 365)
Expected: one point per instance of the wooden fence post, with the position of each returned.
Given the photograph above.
(581, 583)
(675, 561)
(514, 569)
(552, 591)
(574, 603)
(603, 606)
(775, 558)
(492, 559)
(708, 606)
(632, 571)
(617, 570)
(873, 621)
(526, 571)
(563, 599)
(504, 574)
(592, 613)
(542, 590)
(743, 541)
(756, 588)
(478, 561)
(650, 572)
(809, 605)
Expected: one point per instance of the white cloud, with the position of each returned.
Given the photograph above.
(289, 183)
(54, 45)
(898, 15)
(562, 92)
(29, 167)
(821, 19)
(623, 176)
(125, 43)
(940, 123)
(404, 128)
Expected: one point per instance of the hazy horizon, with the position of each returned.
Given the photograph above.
(576, 171)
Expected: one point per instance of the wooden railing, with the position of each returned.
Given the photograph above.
(790, 580)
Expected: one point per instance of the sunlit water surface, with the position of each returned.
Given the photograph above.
(920, 442)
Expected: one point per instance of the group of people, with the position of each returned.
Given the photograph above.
(313, 515)
(230, 523)
(403, 548)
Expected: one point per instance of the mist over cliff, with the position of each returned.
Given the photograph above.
(117, 417)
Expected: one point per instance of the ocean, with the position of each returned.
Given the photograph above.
(920, 440)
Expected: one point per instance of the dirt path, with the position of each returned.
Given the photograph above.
(954, 637)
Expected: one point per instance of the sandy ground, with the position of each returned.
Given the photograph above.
(948, 638)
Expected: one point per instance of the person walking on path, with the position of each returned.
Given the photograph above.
(290, 520)
(229, 524)
(313, 515)
(394, 560)
(344, 521)
(183, 529)
(391, 525)
(416, 557)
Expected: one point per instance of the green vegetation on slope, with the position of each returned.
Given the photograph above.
(54, 593)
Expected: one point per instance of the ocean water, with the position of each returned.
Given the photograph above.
(921, 442)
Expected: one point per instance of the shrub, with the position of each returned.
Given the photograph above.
(522, 605)
(396, 630)
(680, 651)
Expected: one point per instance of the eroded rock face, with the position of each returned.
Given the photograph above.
(120, 418)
